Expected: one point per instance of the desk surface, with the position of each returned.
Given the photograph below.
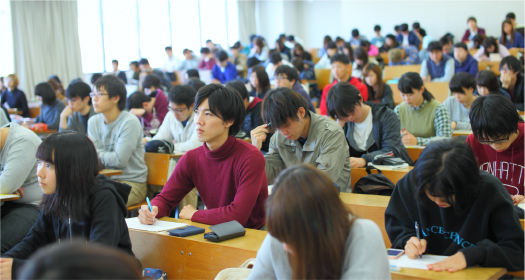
(110, 172)
(461, 132)
(14, 112)
(393, 175)
(49, 131)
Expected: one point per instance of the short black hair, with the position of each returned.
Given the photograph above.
(144, 61)
(449, 170)
(184, 51)
(240, 88)
(512, 63)
(205, 50)
(114, 61)
(167, 48)
(510, 16)
(391, 36)
(224, 103)
(331, 45)
(237, 45)
(396, 28)
(182, 94)
(290, 38)
(461, 45)
(252, 61)
(355, 33)
(45, 91)
(221, 56)
(290, 72)
(488, 79)
(56, 78)
(193, 73)
(339, 39)
(472, 18)
(95, 77)
(377, 28)
(134, 63)
(493, 117)
(253, 36)
(342, 99)
(403, 27)
(135, 100)
(195, 83)
(435, 46)
(339, 57)
(280, 106)
(445, 40)
(411, 80)
(209, 41)
(461, 80)
(298, 63)
(275, 57)
(416, 25)
(151, 80)
(115, 87)
(78, 89)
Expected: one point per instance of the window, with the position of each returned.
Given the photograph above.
(7, 63)
(129, 30)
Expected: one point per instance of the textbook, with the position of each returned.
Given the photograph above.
(389, 167)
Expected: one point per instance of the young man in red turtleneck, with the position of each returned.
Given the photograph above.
(228, 173)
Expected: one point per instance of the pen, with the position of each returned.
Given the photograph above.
(268, 124)
(149, 205)
(419, 239)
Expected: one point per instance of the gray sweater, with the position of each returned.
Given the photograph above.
(119, 146)
(18, 164)
(458, 113)
(365, 256)
(74, 122)
(50, 114)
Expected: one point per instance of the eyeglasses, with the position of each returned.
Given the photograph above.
(281, 78)
(499, 141)
(97, 95)
(177, 111)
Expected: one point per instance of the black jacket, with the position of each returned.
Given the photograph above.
(489, 234)
(386, 135)
(107, 200)
(518, 92)
(387, 98)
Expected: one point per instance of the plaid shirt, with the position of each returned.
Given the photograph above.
(411, 56)
(442, 123)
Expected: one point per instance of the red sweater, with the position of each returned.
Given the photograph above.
(353, 81)
(231, 182)
(161, 108)
(506, 165)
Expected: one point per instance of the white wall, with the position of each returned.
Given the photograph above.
(311, 20)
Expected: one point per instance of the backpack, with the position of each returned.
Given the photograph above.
(159, 146)
(377, 184)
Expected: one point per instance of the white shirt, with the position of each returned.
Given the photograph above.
(171, 64)
(270, 68)
(405, 40)
(185, 137)
(362, 131)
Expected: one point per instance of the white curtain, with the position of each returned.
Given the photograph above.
(247, 21)
(46, 42)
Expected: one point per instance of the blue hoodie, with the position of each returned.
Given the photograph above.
(470, 65)
(230, 73)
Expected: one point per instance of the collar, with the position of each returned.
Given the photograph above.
(223, 151)
(420, 107)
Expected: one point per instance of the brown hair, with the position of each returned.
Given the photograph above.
(57, 87)
(259, 42)
(298, 47)
(377, 70)
(305, 212)
(262, 77)
(13, 78)
(504, 35)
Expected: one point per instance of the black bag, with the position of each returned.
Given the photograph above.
(225, 231)
(159, 146)
(387, 159)
(377, 184)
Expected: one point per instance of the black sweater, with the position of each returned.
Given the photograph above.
(489, 234)
(107, 225)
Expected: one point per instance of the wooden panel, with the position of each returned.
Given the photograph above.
(14, 111)
(392, 175)
(414, 152)
(323, 77)
(514, 52)
(391, 72)
(440, 91)
(461, 133)
(158, 165)
(313, 52)
(469, 273)
(34, 112)
(384, 56)
(110, 172)
(493, 66)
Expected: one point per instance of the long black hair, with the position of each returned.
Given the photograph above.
(76, 168)
(411, 80)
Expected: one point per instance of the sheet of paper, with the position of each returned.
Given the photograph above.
(417, 263)
(134, 223)
(522, 206)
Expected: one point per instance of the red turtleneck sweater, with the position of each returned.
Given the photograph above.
(231, 182)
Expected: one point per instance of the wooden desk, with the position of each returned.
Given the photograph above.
(392, 175)
(391, 72)
(461, 132)
(323, 77)
(49, 131)
(34, 112)
(493, 66)
(414, 152)
(14, 112)
(193, 257)
(469, 273)
(110, 172)
(8, 199)
(522, 113)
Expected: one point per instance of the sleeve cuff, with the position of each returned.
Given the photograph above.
(474, 255)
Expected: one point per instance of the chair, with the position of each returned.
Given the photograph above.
(493, 66)
(384, 56)
(514, 52)
(313, 52)
(391, 72)
(34, 112)
(440, 91)
(323, 77)
(177, 76)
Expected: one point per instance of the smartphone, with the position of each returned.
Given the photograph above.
(395, 253)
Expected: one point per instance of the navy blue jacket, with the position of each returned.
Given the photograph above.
(16, 99)
(412, 39)
(470, 65)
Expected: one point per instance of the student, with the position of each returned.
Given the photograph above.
(340, 70)
(361, 59)
(15, 98)
(4, 116)
(403, 55)
(487, 83)
(75, 116)
(121, 75)
(285, 52)
(378, 91)
(18, 146)
(377, 40)
(275, 61)
(348, 51)
(406, 37)
(339, 43)
(58, 89)
(298, 51)
(151, 86)
(135, 67)
(190, 61)
(304, 137)
(117, 136)
(423, 53)
(80, 260)
(397, 30)
(288, 77)
(223, 70)
(145, 67)
(313, 235)
(307, 72)
(259, 81)
(452, 200)
(3, 88)
(192, 73)
(51, 107)
(195, 83)
(490, 45)
(259, 50)
(370, 130)
(150, 110)
(510, 38)
(512, 79)
(472, 30)
(497, 141)
(448, 45)
(77, 201)
(423, 119)
(512, 17)
(462, 87)
(370, 49)
(390, 43)
(322, 51)
(238, 59)
(171, 64)
(178, 126)
(324, 62)
(463, 61)
(95, 77)
(356, 39)
(420, 32)
(207, 61)
(234, 167)
(211, 45)
(439, 67)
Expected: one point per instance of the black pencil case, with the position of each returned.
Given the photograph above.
(225, 231)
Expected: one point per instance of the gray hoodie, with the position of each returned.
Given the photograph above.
(74, 122)
(119, 146)
(18, 164)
